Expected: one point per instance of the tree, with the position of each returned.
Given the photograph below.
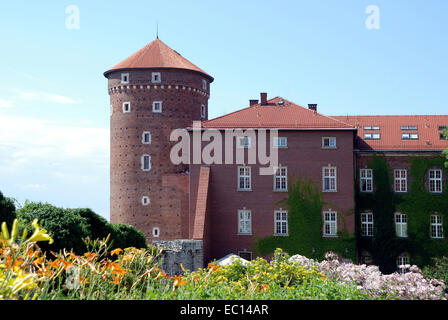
(7, 210)
(98, 227)
(125, 236)
(66, 228)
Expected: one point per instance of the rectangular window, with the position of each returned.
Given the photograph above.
(244, 222)
(436, 227)
(243, 142)
(328, 142)
(401, 225)
(126, 107)
(125, 78)
(157, 106)
(204, 85)
(281, 222)
(202, 111)
(146, 162)
(156, 78)
(371, 127)
(330, 223)
(400, 180)
(372, 136)
(329, 178)
(435, 181)
(402, 261)
(146, 137)
(409, 128)
(280, 142)
(281, 179)
(366, 180)
(367, 224)
(244, 178)
(409, 136)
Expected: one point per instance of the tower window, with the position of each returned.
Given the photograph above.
(146, 137)
(156, 78)
(125, 78)
(202, 111)
(145, 200)
(126, 107)
(146, 162)
(155, 232)
(157, 106)
(204, 85)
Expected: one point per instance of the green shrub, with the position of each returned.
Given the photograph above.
(7, 210)
(437, 270)
(125, 236)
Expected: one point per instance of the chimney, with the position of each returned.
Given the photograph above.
(312, 107)
(252, 102)
(264, 98)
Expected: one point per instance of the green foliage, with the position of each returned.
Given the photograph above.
(69, 227)
(7, 210)
(437, 270)
(66, 228)
(418, 204)
(445, 152)
(305, 224)
(125, 236)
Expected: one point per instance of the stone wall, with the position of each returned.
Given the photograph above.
(189, 253)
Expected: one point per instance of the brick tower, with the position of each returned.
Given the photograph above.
(152, 92)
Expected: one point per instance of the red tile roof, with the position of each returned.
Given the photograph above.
(156, 54)
(275, 115)
(391, 133)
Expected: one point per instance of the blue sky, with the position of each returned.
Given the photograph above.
(54, 107)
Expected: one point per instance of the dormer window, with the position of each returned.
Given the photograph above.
(126, 107)
(156, 78)
(409, 136)
(372, 136)
(409, 128)
(125, 78)
(371, 127)
(157, 106)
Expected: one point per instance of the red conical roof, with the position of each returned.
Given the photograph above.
(156, 54)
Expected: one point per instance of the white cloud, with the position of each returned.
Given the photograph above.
(45, 97)
(5, 103)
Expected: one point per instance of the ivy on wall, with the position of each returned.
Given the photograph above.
(418, 205)
(305, 224)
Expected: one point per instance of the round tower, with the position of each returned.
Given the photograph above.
(152, 92)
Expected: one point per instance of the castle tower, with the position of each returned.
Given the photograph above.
(152, 92)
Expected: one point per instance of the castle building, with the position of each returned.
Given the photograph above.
(230, 205)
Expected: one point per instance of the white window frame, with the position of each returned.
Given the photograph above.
(246, 176)
(366, 179)
(281, 222)
(242, 142)
(402, 261)
(143, 162)
(372, 136)
(203, 111)
(155, 232)
(123, 75)
(401, 225)
(279, 145)
(330, 223)
(400, 181)
(436, 226)
(281, 176)
(154, 103)
(145, 200)
(244, 222)
(144, 134)
(153, 76)
(126, 107)
(435, 182)
(329, 146)
(330, 179)
(367, 224)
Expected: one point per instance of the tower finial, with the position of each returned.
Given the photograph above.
(157, 29)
